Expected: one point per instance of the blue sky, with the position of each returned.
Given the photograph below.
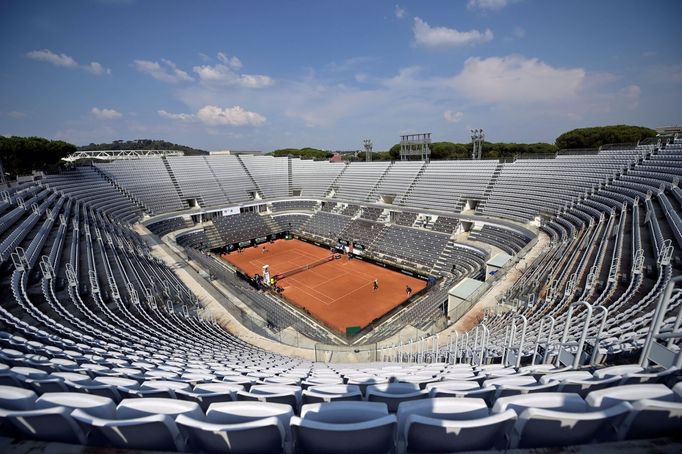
(260, 75)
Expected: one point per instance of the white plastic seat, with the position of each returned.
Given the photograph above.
(565, 375)
(539, 427)
(282, 381)
(584, 387)
(315, 381)
(392, 394)
(651, 419)
(421, 380)
(364, 381)
(613, 395)
(206, 394)
(552, 400)
(621, 370)
(119, 382)
(136, 408)
(29, 372)
(98, 406)
(441, 408)
(97, 389)
(438, 434)
(72, 377)
(47, 385)
(153, 432)
(14, 398)
(243, 412)
(342, 427)
(281, 394)
(49, 424)
(514, 380)
(512, 390)
(262, 435)
(159, 388)
(462, 389)
(329, 393)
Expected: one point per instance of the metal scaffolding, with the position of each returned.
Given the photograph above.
(415, 145)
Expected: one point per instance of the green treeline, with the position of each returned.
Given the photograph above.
(21, 155)
(309, 153)
(603, 135)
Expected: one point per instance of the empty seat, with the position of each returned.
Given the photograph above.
(99, 406)
(342, 427)
(329, 393)
(13, 398)
(260, 436)
(540, 427)
(206, 394)
(652, 418)
(242, 412)
(552, 400)
(449, 425)
(455, 388)
(50, 424)
(281, 394)
(442, 407)
(392, 394)
(585, 387)
(613, 395)
(159, 388)
(154, 431)
(135, 408)
(620, 370)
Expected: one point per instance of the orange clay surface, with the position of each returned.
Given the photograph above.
(339, 293)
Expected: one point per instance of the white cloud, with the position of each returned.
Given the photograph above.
(516, 79)
(519, 32)
(232, 116)
(218, 116)
(66, 61)
(493, 5)
(225, 74)
(105, 114)
(631, 95)
(399, 11)
(166, 71)
(175, 116)
(16, 114)
(453, 117)
(48, 56)
(425, 35)
(96, 69)
(232, 62)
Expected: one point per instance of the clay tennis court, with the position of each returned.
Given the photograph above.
(339, 292)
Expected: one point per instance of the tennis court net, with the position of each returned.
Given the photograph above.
(306, 267)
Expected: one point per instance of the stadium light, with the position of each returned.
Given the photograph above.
(477, 137)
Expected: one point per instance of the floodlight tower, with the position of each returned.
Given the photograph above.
(477, 138)
(368, 150)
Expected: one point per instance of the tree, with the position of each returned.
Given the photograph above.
(21, 155)
(308, 153)
(598, 136)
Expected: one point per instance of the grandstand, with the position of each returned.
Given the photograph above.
(121, 326)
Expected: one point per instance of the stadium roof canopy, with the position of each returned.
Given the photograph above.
(110, 155)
